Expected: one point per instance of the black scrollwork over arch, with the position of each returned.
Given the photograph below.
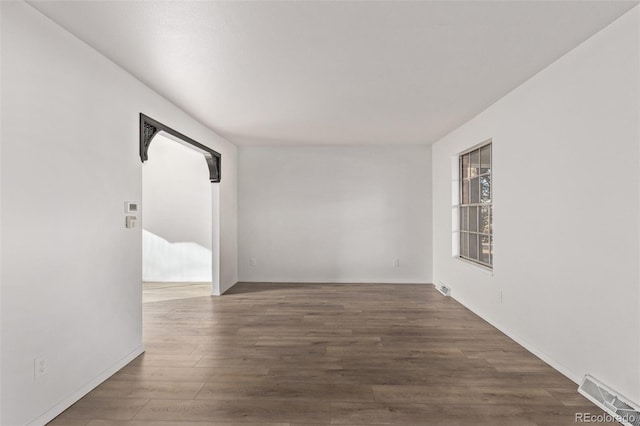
(149, 128)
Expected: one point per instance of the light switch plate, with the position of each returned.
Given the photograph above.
(130, 221)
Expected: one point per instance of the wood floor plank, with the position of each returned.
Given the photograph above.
(66, 421)
(151, 359)
(568, 397)
(320, 392)
(104, 408)
(449, 414)
(175, 423)
(443, 394)
(284, 411)
(257, 359)
(303, 354)
(150, 389)
(184, 374)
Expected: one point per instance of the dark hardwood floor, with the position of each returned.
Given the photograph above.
(286, 354)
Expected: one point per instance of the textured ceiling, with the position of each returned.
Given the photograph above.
(333, 72)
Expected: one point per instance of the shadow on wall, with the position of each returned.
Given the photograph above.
(164, 261)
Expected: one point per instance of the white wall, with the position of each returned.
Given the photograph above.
(176, 193)
(71, 272)
(638, 258)
(177, 212)
(335, 214)
(566, 203)
(163, 261)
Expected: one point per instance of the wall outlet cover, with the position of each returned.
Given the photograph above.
(39, 367)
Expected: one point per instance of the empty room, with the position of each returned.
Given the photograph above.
(320, 213)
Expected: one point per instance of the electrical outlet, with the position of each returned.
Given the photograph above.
(252, 262)
(40, 367)
(396, 263)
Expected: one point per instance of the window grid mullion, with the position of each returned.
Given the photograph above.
(465, 208)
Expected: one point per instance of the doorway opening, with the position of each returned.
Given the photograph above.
(180, 214)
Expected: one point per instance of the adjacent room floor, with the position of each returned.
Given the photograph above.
(290, 354)
(160, 292)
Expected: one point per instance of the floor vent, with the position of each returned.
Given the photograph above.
(620, 408)
(446, 291)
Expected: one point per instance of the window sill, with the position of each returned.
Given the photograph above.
(477, 266)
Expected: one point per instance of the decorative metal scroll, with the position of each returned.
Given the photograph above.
(147, 132)
(149, 128)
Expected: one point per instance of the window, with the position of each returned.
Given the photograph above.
(475, 209)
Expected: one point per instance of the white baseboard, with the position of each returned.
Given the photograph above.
(571, 375)
(331, 281)
(54, 411)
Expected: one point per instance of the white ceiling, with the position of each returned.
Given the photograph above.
(333, 72)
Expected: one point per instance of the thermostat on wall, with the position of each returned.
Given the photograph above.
(130, 207)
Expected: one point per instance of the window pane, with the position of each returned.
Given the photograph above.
(484, 221)
(473, 219)
(491, 219)
(464, 215)
(485, 249)
(475, 206)
(491, 250)
(465, 166)
(475, 163)
(464, 244)
(465, 192)
(485, 159)
(474, 191)
(473, 246)
(485, 189)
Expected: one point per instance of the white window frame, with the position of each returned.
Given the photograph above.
(463, 233)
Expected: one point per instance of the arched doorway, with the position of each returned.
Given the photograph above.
(150, 129)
